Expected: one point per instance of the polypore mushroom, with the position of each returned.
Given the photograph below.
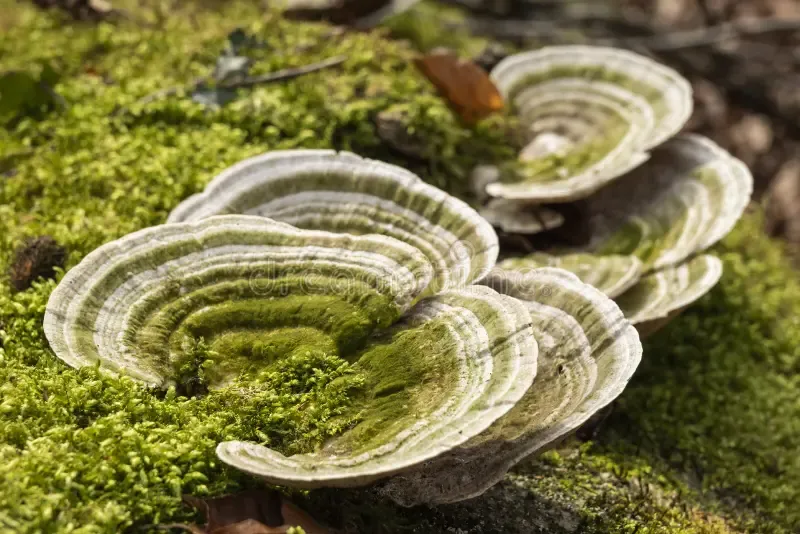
(133, 304)
(590, 114)
(649, 223)
(611, 274)
(669, 290)
(438, 370)
(587, 353)
(342, 192)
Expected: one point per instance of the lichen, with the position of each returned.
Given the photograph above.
(704, 439)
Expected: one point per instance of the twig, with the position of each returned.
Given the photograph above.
(271, 77)
(721, 32)
(664, 42)
(285, 74)
(554, 26)
(164, 93)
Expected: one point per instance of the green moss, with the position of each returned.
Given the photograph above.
(569, 162)
(716, 395)
(243, 354)
(708, 426)
(192, 366)
(399, 383)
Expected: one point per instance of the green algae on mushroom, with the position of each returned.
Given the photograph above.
(669, 290)
(649, 223)
(133, 304)
(587, 353)
(455, 363)
(591, 113)
(233, 296)
(342, 192)
(612, 274)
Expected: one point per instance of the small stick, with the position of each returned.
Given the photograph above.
(271, 77)
(659, 42)
(721, 32)
(285, 74)
(164, 93)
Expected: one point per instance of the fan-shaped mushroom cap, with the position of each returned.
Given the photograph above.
(456, 363)
(342, 192)
(612, 275)
(435, 374)
(664, 292)
(517, 218)
(587, 354)
(591, 114)
(685, 199)
(132, 304)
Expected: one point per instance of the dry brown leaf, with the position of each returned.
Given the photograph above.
(249, 512)
(467, 87)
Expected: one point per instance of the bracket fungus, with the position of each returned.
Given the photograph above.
(587, 353)
(512, 217)
(135, 304)
(590, 114)
(669, 290)
(612, 274)
(439, 367)
(343, 192)
(465, 366)
(649, 225)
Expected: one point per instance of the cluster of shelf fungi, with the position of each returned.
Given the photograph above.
(476, 363)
